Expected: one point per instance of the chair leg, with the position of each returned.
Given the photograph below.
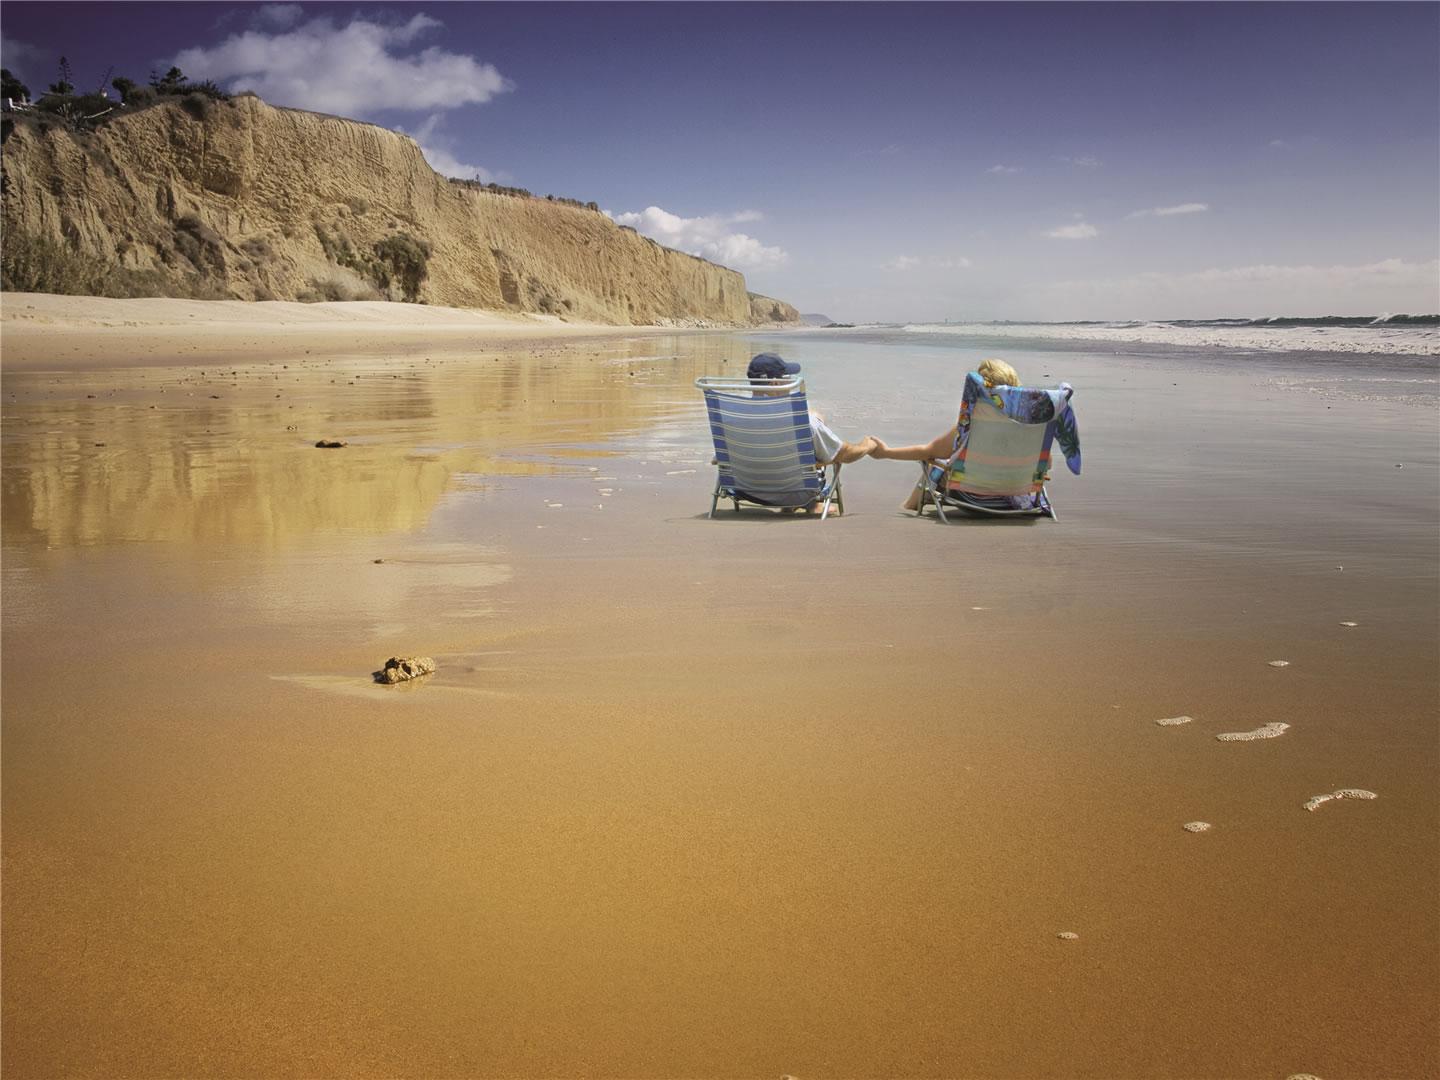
(940, 508)
(714, 501)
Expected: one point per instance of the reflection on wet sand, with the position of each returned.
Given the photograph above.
(210, 457)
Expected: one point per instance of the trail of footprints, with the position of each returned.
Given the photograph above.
(1271, 730)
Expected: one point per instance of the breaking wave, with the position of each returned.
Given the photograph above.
(1417, 335)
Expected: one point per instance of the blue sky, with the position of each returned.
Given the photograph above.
(891, 161)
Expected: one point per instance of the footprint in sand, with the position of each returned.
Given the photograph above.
(1267, 731)
(1343, 793)
(1174, 721)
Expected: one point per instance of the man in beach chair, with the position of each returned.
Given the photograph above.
(996, 459)
(771, 450)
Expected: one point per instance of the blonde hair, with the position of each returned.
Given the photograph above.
(998, 373)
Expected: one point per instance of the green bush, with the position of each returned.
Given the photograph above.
(404, 260)
(30, 263)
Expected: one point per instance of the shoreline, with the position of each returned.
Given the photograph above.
(54, 332)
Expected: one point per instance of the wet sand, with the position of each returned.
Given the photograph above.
(744, 797)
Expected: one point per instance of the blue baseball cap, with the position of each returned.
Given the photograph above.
(767, 365)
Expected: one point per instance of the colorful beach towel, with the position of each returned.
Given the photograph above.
(1025, 405)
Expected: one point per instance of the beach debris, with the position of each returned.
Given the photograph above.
(399, 669)
(1302, 1076)
(1068, 935)
(1278, 663)
(331, 444)
(377, 562)
(1197, 826)
(1174, 721)
(1349, 624)
(1318, 801)
(1266, 731)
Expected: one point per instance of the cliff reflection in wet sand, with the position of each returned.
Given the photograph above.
(186, 456)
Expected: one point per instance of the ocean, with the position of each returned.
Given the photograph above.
(1391, 335)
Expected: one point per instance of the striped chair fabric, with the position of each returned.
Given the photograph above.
(763, 447)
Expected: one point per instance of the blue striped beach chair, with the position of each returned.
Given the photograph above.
(1002, 452)
(764, 449)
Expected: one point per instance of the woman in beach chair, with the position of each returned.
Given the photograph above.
(1005, 470)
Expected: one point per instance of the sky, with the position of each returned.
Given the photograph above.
(889, 162)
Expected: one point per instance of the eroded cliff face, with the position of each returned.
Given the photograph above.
(257, 202)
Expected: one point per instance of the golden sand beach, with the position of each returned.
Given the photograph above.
(751, 796)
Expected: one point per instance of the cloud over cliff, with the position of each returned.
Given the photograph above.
(709, 236)
(356, 68)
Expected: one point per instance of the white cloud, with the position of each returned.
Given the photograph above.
(900, 263)
(28, 63)
(279, 16)
(1079, 231)
(1084, 161)
(1004, 170)
(708, 236)
(1279, 144)
(1258, 291)
(1168, 211)
(438, 149)
(355, 69)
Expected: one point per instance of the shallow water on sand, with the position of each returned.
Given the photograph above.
(745, 796)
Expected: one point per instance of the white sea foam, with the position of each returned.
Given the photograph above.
(1267, 731)
(1376, 337)
(1317, 801)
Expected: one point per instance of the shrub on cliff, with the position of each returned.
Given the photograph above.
(31, 263)
(403, 259)
(12, 87)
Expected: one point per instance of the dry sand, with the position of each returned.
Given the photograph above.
(742, 797)
(45, 331)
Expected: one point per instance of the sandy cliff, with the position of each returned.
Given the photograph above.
(244, 201)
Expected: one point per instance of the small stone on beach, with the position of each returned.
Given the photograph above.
(1174, 721)
(1068, 935)
(1197, 826)
(399, 669)
(1279, 663)
(1349, 624)
(330, 444)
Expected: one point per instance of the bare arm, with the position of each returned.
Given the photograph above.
(855, 451)
(939, 448)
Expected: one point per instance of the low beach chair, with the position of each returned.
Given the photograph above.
(764, 449)
(1002, 452)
